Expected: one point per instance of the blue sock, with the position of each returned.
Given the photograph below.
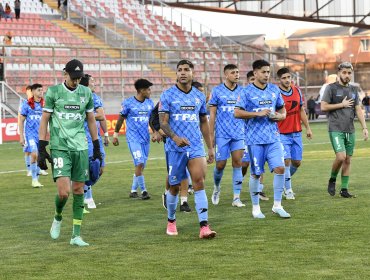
(260, 187)
(141, 182)
(201, 205)
(34, 170)
(134, 183)
(278, 186)
(254, 190)
(217, 176)
(293, 170)
(27, 160)
(172, 201)
(288, 181)
(87, 192)
(237, 180)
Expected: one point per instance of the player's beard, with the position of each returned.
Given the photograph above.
(344, 81)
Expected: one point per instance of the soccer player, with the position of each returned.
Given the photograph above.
(290, 129)
(246, 158)
(183, 117)
(262, 106)
(101, 122)
(136, 110)
(227, 133)
(31, 112)
(341, 102)
(67, 105)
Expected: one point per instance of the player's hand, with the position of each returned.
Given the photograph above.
(106, 141)
(43, 155)
(21, 140)
(161, 132)
(346, 103)
(264, 113)
(96, 151)
(276, 117)
(309, 133)
(181, 141)
(115, 141)
(211, 155)
(365, 132)
(156, 137)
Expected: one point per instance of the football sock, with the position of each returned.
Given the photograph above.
(333, 175)
(34, 170)
(201, 205)
(183, 199)
(27, 160)
(253, 190)
(141, 182)
(278, 186)
(260, 187)
(345, 180)
(217, 176)
(87, 192)
(172, 201)
(78, 210)
(288, 182)
(293, 169)
(237, 181)
(59, 205)
(134, 184)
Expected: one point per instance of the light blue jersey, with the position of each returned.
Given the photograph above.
(226, 125)
(260, 130)
(184, 109)
(137, 115)
(33, 118)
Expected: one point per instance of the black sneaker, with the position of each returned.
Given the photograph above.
(331, 187)
(185, 207)
(344, 193)
(164, 200)
(145, 195)
(133, 195)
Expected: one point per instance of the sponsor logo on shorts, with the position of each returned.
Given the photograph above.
(72, 107)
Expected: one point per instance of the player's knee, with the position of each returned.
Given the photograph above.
(296, 163)
(237, 163)
(220, 165)
(279, 170)
(174, 190)
(341, 157)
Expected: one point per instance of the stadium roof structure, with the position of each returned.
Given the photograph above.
(329, 32)
(339, 12)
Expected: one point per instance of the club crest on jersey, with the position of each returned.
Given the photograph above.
(82, 99)
(273, 95)
(197, 101)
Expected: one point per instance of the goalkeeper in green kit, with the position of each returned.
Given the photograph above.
(67, 105)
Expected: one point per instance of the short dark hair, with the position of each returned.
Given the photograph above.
(85, 80)
(36, 86)
(230, 67)
(346, 65)
(258, 64)
(29, 87)
(142, 84)
(250, 74)
(196, 84)
(185, 61)
(282, 71)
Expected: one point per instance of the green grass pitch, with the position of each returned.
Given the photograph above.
(326, 238)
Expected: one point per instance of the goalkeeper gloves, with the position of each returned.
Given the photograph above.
(96, 150)
(43, 155)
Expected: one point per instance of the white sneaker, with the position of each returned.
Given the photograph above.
(55, 229)
(216, 195)
(258, 215)
(43, 172)
(237, 203)
(36, 184)
(90, 203)
(29, 173)
(289, 195)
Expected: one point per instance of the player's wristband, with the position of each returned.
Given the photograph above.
(106, 134)
(115, 135)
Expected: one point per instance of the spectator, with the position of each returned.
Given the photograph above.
(64, 9)
(7, 42)
(59, 4)
(311, 108)
(8, 12)
(366, 104)
(2, 12)
(17, 8)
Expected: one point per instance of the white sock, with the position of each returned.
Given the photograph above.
(183, 199)
(277, 204)
(236, 196)
(256, 208)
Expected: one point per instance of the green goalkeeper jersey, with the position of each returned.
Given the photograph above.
(68, 112)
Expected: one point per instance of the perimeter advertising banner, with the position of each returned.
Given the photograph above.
(9, 128)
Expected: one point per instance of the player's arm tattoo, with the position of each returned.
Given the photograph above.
(165, 126)
(119, 123)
